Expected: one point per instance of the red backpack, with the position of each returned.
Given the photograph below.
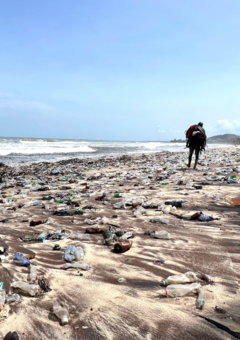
(190, 131)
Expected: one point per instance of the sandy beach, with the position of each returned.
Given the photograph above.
(100, 307)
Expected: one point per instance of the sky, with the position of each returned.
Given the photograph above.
(119, 69)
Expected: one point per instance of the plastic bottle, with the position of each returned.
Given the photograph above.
(69, 253)
(26, 287)
(183, 278)
(159, 219)
(42, 237)
(125, 236)
(33, 273)
(110, 239)
(3, 258)
(201, 299)
(12, 298)
(85, 237)
(61, 310)
(204, 217)
(162, 234)
(79, 254)
(84, 265)
(2, 250)
(153, 213)
(21, 260)
(178, 290)
(121, 247)
(59, 230)
(2, 296)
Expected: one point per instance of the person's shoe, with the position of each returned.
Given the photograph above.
(11, 336)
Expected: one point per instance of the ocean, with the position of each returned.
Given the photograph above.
(15, 150)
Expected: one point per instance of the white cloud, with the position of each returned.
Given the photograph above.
(226, 125)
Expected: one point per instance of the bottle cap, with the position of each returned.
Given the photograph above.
(64, 320)
(165, 283)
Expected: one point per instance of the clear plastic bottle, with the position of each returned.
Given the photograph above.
(125, 236)
(162, 234)
(3, 258)
(61, 309)
(159, 219)
(153, 213)
(2, 296)
(33, 273)
(12, 298)
(79, 254)
(21, 260)
(183, 278)
(59, 230)
(69, 253)
(201, 299)
(26, 287)
(83, 266)
(78, 236)
(179, 290)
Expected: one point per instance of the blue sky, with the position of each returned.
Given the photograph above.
(122, 70)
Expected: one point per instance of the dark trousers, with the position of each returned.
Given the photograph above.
(191, 150)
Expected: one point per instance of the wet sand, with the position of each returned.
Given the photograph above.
(100, 307)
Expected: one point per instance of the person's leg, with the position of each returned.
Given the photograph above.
(191, 149)
(197, 150)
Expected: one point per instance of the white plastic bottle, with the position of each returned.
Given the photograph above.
(183, 278)
(179, 290)
(162, 234)
(33, 273)
(26, 287)
(83, 266)
(61, 309)
(201, 299)
(79, 254)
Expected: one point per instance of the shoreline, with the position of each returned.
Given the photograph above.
(115, 155)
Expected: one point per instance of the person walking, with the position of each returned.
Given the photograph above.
(196, 141)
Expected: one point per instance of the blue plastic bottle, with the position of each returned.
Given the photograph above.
(24, 260)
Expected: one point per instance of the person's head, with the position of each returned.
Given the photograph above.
(200, 124)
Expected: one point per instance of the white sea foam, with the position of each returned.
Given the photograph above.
(21, 149)
(40, 146)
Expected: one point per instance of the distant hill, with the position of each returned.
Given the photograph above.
(228, 138)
